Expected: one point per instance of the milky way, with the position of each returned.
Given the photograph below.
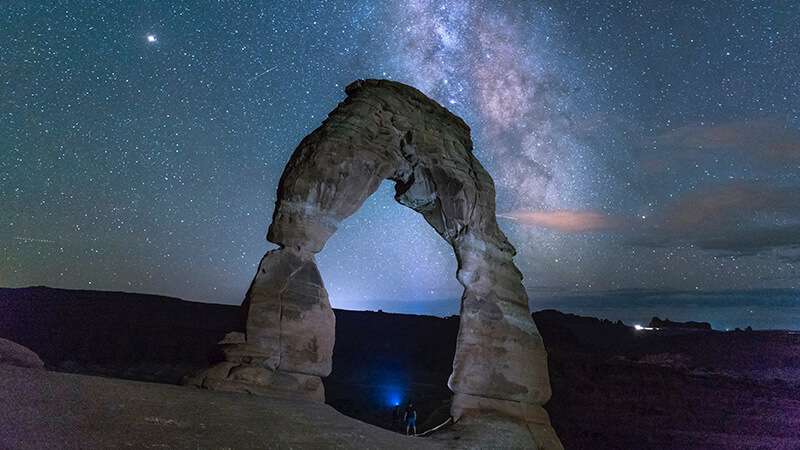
(633, 145)
(487, 66)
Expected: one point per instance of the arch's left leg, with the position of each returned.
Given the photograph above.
(288, 346)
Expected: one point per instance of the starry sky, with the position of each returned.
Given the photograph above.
(635, 145)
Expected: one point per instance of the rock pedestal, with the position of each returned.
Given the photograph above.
(387, 130)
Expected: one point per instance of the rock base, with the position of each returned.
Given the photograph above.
(250, 369)
(252, 379)
(513, 423)
(494, 431)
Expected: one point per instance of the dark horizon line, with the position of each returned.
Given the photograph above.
(534, 291)
(381, 311)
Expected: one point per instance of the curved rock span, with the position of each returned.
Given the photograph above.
(387, 130)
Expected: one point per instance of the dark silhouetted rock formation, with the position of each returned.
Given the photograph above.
(387, 130)
(655, 322)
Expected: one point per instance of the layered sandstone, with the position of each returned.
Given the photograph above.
(387, 130)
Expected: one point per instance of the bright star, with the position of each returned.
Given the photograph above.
(151, 38)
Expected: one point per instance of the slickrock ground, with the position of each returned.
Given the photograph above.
(49, 410)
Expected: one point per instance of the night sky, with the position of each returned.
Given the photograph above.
(634, 145)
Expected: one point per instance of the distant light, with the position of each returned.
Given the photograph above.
(394, 396)
(638, 327)
(151, 38)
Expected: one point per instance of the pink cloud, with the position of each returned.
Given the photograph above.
(565, 221)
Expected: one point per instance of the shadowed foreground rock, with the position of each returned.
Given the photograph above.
(387, 130)
(14, 354)
(63, 411)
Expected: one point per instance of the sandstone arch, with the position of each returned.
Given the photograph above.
(387, 130)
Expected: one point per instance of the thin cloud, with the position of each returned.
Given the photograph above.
(769, 141)
(743, 218)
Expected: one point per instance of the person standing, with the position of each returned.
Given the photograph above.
(410, 419)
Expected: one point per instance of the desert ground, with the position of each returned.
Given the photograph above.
(614, 387)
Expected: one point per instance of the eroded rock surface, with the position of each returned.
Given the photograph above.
(387, 130)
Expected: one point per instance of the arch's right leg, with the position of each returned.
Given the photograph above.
(500, 366)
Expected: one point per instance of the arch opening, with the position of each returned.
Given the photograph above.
(386, 257)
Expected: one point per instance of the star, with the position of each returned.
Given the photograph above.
(151, 38)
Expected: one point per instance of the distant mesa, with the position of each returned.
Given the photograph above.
(655, 322)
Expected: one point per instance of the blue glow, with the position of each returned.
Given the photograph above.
(393, 397)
